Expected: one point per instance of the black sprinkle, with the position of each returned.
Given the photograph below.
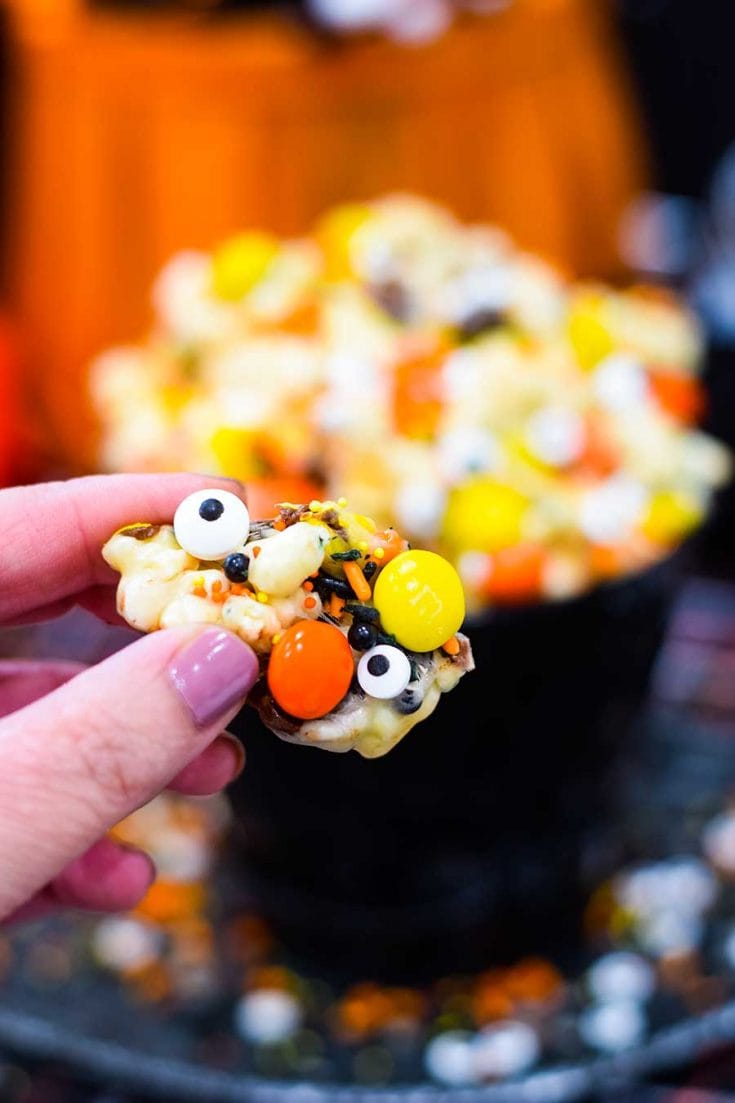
(370, 568)
(325, 584)
(361, 612)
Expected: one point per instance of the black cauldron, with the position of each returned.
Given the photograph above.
(475, 839)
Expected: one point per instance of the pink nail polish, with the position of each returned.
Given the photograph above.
(213, 673)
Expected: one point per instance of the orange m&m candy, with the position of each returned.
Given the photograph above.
(310, 669)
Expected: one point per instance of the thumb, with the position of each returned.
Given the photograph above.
(82, 758)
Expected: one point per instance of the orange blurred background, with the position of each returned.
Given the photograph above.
(133, 134)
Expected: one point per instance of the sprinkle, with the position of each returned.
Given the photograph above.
(279, 526)
(357, 580)
(262, 598)
(216, 586)
(379, 553)
(346, 556)
(255, 552)
(336, 606)
(238, 589)
(277, 638)
(308, 586)
(315, 505)
(361, 612)
(309, 602)
(342, 503)
(451, 647)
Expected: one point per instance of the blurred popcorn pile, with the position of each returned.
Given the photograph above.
(539, 432)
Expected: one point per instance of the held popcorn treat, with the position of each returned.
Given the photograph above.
(357, 633)
(537, 432)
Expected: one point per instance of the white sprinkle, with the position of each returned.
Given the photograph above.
(612, 1027)
(122, 943)
(267, 1016)
(419, 507)
(609, 511)
(505, 1050)
(670, 931)
(449, 1058)
(467, 451)
(556, 435)
(619, 383)
(718, 842)
(621, 976)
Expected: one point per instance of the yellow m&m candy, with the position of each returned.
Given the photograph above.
(420, 600)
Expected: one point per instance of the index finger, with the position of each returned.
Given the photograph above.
(51, 533)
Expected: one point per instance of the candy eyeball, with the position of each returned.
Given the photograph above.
(384, 672)
(211, 524)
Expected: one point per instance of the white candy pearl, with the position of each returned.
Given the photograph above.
(122, 943)
(556, 435)
(210, 540)
(449, 1058)
(612, 1027)
(609, 512)
(621, 976)
(719, 842)
(505, 1050)
(464, 452)
(619, 383)
(267, 1016)
(419, 507)
(671, 931)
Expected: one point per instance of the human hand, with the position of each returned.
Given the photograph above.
(81, 748)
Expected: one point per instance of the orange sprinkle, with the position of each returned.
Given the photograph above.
(216, 586)
(255, 551)
(451, 647)
(357, 580)
(309, 602)
(308, 586)
(198, 590)
(279, 526)
(238, 589)
(336, 605)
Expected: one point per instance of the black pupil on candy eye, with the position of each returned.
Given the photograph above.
(211, 509)
(378, 665)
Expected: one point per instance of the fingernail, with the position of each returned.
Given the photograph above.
(236, 749)
(213, 673)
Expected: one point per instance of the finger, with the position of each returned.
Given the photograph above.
(25, 680)
(109, 877)
(53, 532)
(215, 767)
(85, 756)
(99, 600)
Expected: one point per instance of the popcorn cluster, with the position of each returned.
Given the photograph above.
(538, 432)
